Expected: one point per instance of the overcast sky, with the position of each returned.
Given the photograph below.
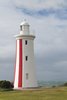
(48, 19)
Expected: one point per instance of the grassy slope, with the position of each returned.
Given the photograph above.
(59, 93)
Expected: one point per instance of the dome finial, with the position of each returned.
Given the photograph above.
(24, 23)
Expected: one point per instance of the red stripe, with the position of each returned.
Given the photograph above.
(20, 64)
(15, 61)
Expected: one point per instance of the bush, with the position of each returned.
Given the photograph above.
(53, 86)
(65, 84)
(6, 84)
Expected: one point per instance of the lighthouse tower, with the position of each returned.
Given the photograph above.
(25, 74)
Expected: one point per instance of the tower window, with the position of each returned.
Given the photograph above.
(21, 27)
(26, 42)
(27, 76)
(26, 58)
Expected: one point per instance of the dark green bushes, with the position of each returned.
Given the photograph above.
(65, 84)
(6, 84)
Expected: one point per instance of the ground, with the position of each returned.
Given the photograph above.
(57, 93)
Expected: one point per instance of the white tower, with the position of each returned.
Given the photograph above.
(25, 74)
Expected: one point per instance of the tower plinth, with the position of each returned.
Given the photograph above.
(25, 73)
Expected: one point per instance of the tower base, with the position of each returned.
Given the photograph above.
(26, 88)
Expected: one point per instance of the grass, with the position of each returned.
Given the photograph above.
(58, 93)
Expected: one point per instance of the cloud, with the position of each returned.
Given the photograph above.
(39, 4)
(58, 13)
(42, 8)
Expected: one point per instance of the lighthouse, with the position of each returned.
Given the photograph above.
(25, 73)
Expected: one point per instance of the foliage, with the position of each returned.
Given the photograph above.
(6, 84)
(53, 86)
(65, 84)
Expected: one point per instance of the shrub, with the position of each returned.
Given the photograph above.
(53, 86)
(65, 84)
(6, 84)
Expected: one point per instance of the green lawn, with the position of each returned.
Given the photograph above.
(58, 93)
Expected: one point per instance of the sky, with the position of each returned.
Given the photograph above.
(48, 21)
